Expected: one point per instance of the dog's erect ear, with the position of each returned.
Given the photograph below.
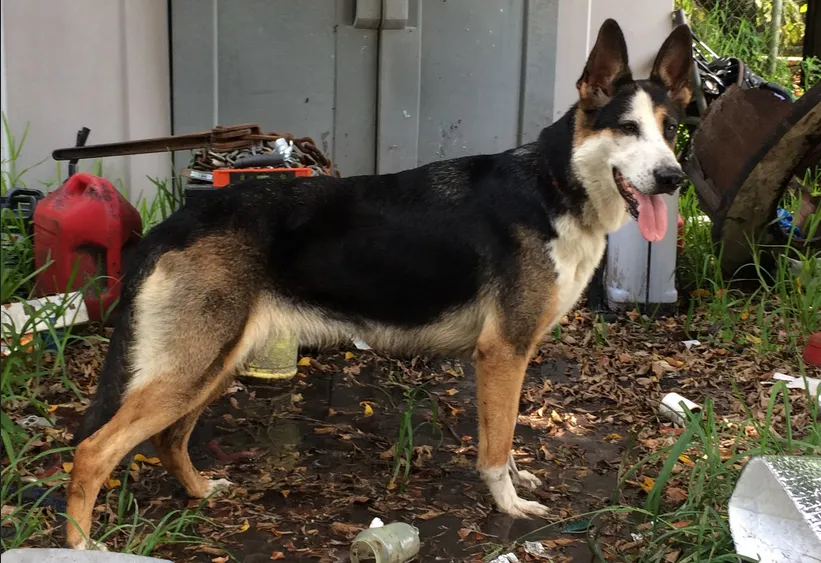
(674, 65)
(606, 65)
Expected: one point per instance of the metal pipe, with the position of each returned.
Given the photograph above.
(5, 155)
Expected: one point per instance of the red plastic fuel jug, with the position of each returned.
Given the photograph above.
(83, 227)
(812, 351)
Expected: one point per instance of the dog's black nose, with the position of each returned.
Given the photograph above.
(668, 179)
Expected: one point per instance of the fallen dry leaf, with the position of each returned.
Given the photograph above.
(430, 514)
(676, 495)
(345, 530)
(277, 555)
(148, 460)
(685, 460)
(560, 542)
(753, 339)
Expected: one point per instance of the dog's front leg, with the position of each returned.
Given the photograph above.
(500, 371)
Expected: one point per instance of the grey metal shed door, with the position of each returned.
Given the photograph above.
(381, 85)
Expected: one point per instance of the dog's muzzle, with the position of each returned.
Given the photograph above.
(668, 179)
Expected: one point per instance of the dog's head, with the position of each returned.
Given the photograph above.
(626, 129)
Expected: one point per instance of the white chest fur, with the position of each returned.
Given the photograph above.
(575, 254)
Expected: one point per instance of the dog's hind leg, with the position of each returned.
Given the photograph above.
(172, 448)
(500, 372)
(142, 414)
(190, 329)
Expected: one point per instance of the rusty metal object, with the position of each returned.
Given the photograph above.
(305, 154)
(746, 150)
(222, 144)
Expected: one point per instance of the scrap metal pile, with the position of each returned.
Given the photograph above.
(221, 147)
(295, 153)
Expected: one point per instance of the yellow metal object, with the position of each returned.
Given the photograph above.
(276, 359)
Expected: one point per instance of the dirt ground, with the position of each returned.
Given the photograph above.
(324, 468)
(312, 458)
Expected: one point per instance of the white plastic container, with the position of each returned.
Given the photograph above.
(640, 272)
(672, 408)
(397, 542)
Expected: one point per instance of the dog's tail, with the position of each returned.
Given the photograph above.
(115, 374)
(112, 379)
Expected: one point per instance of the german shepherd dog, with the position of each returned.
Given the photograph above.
(476, 257)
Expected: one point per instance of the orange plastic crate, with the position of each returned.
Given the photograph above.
(225, 176)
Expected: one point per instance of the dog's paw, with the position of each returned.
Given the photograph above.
(89, 545)
(525, 479)
(218, 486)
(518, 507)
(504, 493)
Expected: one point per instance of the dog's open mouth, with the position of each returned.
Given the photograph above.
(650, 211)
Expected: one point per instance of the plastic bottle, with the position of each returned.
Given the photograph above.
(393, 543)
(284, 148)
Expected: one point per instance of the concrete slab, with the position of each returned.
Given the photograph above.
(55, 555)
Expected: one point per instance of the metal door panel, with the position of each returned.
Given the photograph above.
(482, 82)
(471, 77)
(295, 67)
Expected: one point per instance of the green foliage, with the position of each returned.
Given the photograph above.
(742, 28)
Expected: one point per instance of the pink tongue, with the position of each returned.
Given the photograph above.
(652, 216)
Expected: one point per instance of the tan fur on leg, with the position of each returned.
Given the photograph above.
(145, 412)
(500, 371)
(142, 414)
(172, 447)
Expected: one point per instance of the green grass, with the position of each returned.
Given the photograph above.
(782, 294)
(742, 29)
(32, 515)
(703, 465)
(706, 461)
(404, 447)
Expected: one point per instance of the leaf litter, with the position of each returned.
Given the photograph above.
(327, 443)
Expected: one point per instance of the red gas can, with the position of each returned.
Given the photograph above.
(83, 227)
(812, 351)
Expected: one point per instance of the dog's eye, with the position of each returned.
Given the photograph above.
(671, 128)
(630, 128)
